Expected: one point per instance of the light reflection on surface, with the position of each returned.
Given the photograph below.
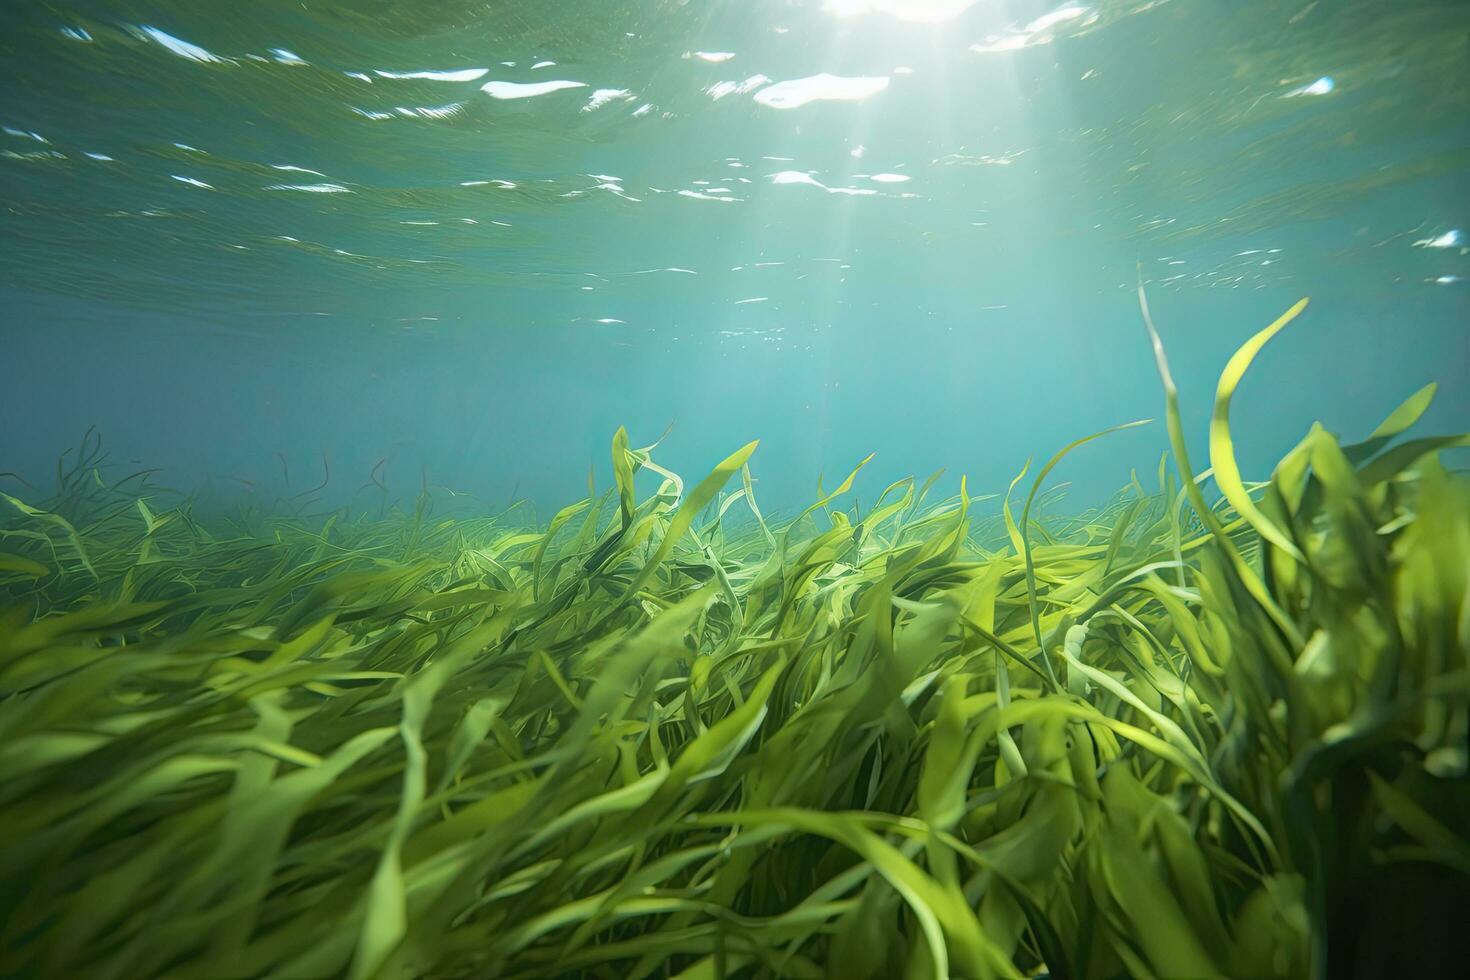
(452, 75)
(721, 89)
(1038, 31)
(179, 46)
(602, 96)
(989, 131)
(1450, 239)
(311, 188)
(1322, 86)
(797, 92)
(526, 90)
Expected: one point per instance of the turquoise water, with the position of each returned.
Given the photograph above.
(466, 241)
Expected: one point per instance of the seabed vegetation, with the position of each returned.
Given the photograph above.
(669, 737)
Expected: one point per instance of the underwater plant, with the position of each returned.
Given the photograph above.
(668, 736)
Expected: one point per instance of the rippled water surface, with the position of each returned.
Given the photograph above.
(473, 238)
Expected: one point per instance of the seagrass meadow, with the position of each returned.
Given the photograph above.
(1211, 728)
(652, 489)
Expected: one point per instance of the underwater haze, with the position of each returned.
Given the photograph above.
(471, 239)
(734, 489)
